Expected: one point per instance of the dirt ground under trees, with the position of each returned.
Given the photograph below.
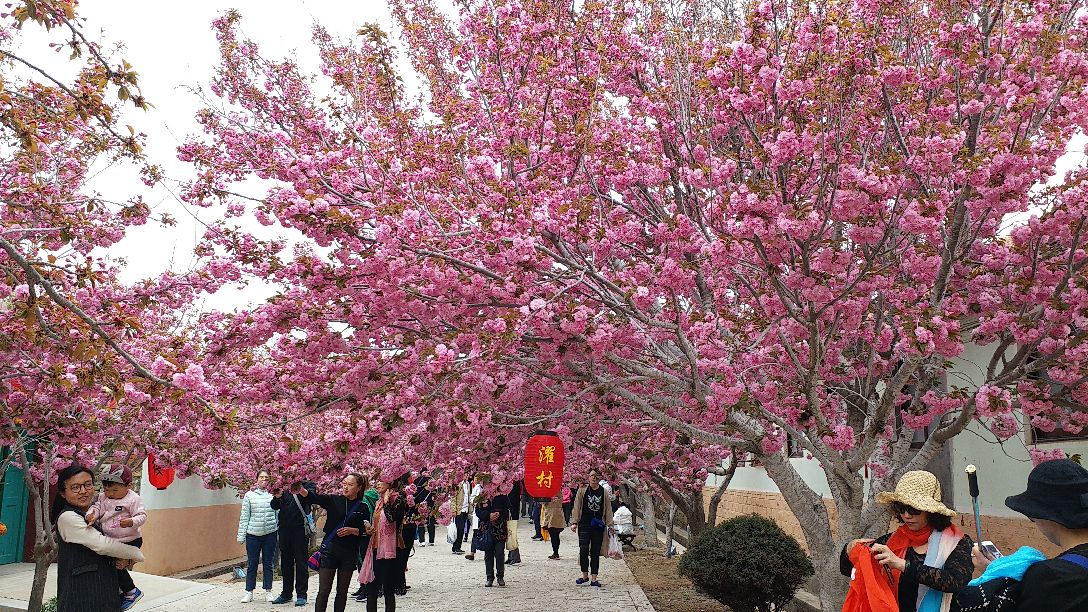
(666, 589)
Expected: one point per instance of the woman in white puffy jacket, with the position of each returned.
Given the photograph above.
(622, 520)
(257, 527)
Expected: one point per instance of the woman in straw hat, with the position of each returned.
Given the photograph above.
(919, 565)
(1056, 500)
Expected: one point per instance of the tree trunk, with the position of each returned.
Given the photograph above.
(649, 517)
(689, 502)
(44, 545)
(719, 493)
(42, 560)
(669, 528)
(808, 507)
(696, 515)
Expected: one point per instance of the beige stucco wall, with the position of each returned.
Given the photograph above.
(178, 539)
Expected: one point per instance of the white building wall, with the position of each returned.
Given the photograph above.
(185, 493)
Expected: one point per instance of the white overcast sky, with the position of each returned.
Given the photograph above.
(173, 48)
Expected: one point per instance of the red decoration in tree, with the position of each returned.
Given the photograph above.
(544, 456)
(160, 478)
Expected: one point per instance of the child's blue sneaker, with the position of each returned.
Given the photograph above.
(129, 599)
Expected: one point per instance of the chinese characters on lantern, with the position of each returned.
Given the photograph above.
(544, 457)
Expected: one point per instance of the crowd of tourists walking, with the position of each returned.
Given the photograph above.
(369, 533)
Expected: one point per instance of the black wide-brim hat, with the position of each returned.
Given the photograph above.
(1057, 491)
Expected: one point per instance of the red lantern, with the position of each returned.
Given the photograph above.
(160, 478)
(544, 456)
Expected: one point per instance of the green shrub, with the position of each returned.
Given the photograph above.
(50, 606)
(747, 563)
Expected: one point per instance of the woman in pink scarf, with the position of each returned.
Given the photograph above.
(386, 538)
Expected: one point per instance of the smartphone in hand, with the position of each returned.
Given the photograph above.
(987, 547)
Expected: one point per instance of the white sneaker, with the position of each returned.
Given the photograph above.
(269, 597)
(248, 597)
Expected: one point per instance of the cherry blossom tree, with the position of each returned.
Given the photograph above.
(90, 368)
(745, 222)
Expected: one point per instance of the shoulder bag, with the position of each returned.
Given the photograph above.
(314, 562)
(308, 522)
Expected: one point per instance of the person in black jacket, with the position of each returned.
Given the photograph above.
(425, 508)
(408, 535)
(294, 543)
(1056, 500)
(493, 513)
(346, 522)
(514, 499)
(916, 503)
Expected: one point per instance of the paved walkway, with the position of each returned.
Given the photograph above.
(443, 582)
(16, 580)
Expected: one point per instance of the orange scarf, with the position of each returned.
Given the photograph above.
(870, 588)
(901, 540)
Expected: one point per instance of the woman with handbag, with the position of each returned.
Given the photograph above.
(591, 517)
(493, 512)
(382, 571)
(346, 521)
(553, 520)
(296, 526)
(919, 566)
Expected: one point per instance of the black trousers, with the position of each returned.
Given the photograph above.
(326, 576)
(553, 535)
(589, 548)
(460, 520)
(294, 551)
(404, 553)
(388, 575)
(124, 579)
(493, 565)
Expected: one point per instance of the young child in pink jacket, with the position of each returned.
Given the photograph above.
(120, 512)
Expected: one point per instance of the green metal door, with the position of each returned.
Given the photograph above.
(13, 500)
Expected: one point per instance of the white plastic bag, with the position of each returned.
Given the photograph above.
(615, 547)
(451, 533)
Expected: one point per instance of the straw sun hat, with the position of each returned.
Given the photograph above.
(920, 490)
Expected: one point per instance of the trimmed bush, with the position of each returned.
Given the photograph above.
(747, 563)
